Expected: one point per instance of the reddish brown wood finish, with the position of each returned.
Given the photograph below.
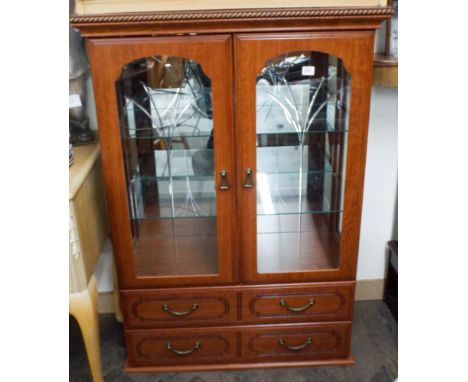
(331, 303)
(144, 309)
(146, 348)
(231, 21)
(239, 304)
(251, 52)
(243, 365)
(237, 323)
(326, 341)
(195, 244)
(214, 53)
(238, 344)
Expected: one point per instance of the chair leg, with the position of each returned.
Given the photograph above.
(83, 306)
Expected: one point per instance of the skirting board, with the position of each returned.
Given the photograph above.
(369, 289)
(365, 290)
(106, 303)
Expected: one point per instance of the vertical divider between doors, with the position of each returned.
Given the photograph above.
(238, 154)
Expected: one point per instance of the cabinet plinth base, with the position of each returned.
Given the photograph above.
(242, 365)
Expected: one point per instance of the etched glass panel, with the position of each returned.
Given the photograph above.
(302, 103)
(166, 126)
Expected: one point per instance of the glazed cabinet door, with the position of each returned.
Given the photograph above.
(164, 109)
(302, 106)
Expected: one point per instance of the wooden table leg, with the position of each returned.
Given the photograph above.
(83, 306)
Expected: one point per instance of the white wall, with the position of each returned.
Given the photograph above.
(380, 186)
(90, 105)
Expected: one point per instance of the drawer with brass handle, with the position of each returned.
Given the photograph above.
(308, 341)
(156, 308)
(321, 302)
(180, 346)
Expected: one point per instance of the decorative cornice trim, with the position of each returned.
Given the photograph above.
(245, 14)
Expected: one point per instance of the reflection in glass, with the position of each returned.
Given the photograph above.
(166, 125)
(302, 120)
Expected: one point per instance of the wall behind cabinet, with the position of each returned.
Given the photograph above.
(380, 185)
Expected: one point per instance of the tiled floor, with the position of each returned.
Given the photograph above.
(374, 346)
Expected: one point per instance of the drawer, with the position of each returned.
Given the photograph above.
(150, 309)
(322, 302)
(304, 342)
(182, 346)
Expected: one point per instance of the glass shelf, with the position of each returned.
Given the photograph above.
(291, 131)
(290, 159)
(173, 163)
(296, 193)
(285, 126)
(198, 164)
(173, 198)
(196, 218)
(194, 197)
(194, 178)
(182, 131)
(152, 134)
(191, 178)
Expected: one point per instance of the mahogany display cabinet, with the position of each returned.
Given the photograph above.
(233, 146)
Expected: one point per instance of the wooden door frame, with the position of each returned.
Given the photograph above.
(214, 53)
(251, 51)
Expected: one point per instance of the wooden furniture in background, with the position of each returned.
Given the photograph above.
(216, 269)
(391, 282)
(92, 7)
(385, 64)
(385, 74)
(89, 230)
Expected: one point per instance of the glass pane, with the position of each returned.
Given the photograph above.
(302, 108)
(166, 126)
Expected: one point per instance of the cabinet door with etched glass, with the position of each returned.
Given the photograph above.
(302, 101)
(295, 171)
(175, 132)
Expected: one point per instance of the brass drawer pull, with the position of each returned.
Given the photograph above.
(298, 309)
(224, 183)
(183, 352)
(178, 314)
(248, 182)
(295, 348)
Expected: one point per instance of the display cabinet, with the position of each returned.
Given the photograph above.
(233, 147)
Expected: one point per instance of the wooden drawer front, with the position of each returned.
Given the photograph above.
(317, 341)
(172, 347)
(157, 309)
(288, 304)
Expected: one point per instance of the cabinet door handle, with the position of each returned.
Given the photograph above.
(295, 348)
(299, 308)
(178, 314)
(183, 352)
(248, 182)
(224, 183)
